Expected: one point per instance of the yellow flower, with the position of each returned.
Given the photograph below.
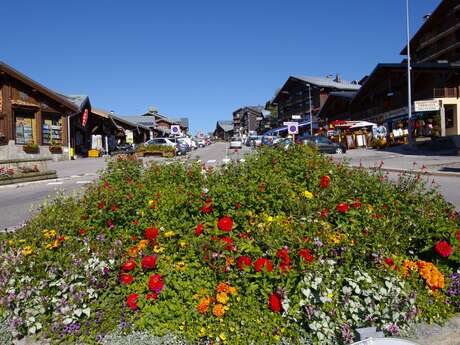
(49, 233)
(307, 194)
(336, 238)
(202, 332)
(158, 249)
(222, 337)
(151, 202)
(10, 242)
(222, 297)
(269, 219)
(52, 245)
(232, 290)
(218, 310)
(169, 234)
(181, 266)
(142, 244)
(27, 250)
(182, 244)
(370, 208)
(22, 241)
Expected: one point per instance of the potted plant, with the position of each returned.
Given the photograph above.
(55, 147)
(31, 147)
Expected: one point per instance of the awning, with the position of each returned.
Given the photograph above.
(360, 124)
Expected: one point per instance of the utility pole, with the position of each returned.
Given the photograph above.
(409, 82)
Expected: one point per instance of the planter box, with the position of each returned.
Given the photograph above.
(28, 177)
(156, 153)
(30, 150)
(55, 149)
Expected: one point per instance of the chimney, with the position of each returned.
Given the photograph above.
(338, 78)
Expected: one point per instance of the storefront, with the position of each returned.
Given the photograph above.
(33, 118)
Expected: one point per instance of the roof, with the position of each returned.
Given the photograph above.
(227, 126)
(182, 121)
(428, 22)
(256, 108)
(343, 94)
(329, 82)
(39, 87)
(148, 121)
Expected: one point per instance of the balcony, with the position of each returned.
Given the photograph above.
(446, 92)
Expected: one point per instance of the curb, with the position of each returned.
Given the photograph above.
(407, 171)
(55, 179)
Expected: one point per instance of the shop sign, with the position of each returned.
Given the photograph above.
(428, 105)
(84, 118)
(129, 137)
(296, 117)
(1, 101)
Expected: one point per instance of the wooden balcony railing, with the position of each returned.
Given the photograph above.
(445, 92)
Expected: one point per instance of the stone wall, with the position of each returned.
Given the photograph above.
(13, 151)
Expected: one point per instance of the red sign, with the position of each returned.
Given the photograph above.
(84, 118)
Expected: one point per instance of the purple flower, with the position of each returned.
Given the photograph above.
(393, 329)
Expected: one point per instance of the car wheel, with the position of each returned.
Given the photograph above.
(339, 150)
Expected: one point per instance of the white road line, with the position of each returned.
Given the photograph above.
(83, 182)
(226, 160)
(211, 161)
(54, 183)
(75, 176)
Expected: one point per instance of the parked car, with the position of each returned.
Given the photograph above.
(160, 141)
(201, 142)
(323, 144)
(254, 140)
(123, 149)
(284, 143)
(182, 148)
(236, 143)
(270, 140)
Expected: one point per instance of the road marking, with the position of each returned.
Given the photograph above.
(211, 161)
(226, 160)
(54, 183)
(83, 182)
(76, 176)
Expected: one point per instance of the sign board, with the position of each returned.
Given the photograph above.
(129, 136)
(293, 128)
(84, 118)
(428, 105)
(296, 117)
(175, 129)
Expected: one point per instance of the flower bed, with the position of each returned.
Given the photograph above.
(165, 151)
(284, 248)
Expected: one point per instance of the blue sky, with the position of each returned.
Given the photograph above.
(203, 58)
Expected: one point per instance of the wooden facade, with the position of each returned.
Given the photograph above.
(29, 112)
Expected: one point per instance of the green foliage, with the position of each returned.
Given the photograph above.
(334, 268)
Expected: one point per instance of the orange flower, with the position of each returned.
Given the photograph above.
(142, 244)
(203, 306)
(409, 266)
(231, 290)
(218, 310)
(222, 287)
(222, 297)
(133, 251)
(433, 277)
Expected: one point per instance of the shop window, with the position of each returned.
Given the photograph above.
(25, 126)
(449, 117)
(51, 128)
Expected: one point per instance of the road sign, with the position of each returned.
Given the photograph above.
(428, 105)
(293, 128)
(175, 129)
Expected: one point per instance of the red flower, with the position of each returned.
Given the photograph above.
(156, 284)
(114, 208)
(199, 229)
(244, 261)
(82, 232)
(356, 204)
(324, 213)
(101, 205)
(243, 235)
(285, 264)
(136, 222)
(275, 302)
(129, 265)
(443, 248)
(390, 262)
(306, 255)
(457, 235)
(261, 263)
(126, 279)
(342, 207)
(325, 180)
(151, 296)
(132, 301)
(149, 262)
(225, 224)
(207, 207)
(133, 237)
(229, 242)
(237, 205)
(151, 233)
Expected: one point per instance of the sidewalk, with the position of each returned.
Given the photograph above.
(399, 160)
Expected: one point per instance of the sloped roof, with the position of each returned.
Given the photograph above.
(148, 121)
(329, 82)
(343, 94)
(182, 121)
(35, 85)
(227, 126)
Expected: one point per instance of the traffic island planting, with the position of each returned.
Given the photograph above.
(285, 248)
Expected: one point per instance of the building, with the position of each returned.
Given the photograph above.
(247, 119)
(299, 95)
(224, 130)
(438, 39)
(30, 113)
(337, 106)
(383, 98)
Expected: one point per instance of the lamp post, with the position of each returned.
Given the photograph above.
(409, 84)
(309, 103)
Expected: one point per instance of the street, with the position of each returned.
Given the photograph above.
(19, 202)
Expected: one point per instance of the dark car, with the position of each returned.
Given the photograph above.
(323, 144)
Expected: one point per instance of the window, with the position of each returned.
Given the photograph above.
(25, 126)
(449, 116)
(51, 128)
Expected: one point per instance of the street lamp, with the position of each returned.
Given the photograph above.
(309, 103)
(409, 86)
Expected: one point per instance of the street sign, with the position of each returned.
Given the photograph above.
(175, 129)
(293, 128)
(296, 117)
(428, 105)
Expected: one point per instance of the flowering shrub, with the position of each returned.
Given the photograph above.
(287, 247)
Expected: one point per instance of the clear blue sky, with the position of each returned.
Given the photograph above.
(202, 58)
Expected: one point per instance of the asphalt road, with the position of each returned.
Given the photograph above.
(19, 203)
